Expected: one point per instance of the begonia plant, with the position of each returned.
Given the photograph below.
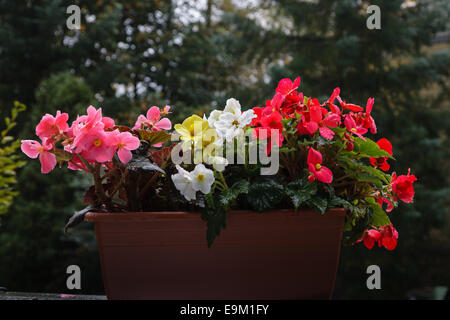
(294, 152)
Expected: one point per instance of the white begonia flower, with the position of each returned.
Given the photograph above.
(214, 117)
(202, 178)
(232, 120)
(219, 163)
(183, 183)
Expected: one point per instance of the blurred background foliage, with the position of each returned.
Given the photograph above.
(193, 55)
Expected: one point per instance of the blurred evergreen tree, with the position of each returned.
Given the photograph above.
(133, 54)
(328, 44)
(34, 249)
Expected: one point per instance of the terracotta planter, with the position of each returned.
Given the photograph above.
(273, 255)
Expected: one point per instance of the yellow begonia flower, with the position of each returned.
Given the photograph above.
(196, 132)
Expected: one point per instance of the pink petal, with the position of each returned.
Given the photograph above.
(103, 154)
(108, 122)
(153, 114)
(48, 161)
(164, 124)
(30, 148)
(131, 142)
(124, 155)
(139, 121)
(61, 121)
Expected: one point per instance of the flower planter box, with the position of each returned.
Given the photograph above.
(274, 255)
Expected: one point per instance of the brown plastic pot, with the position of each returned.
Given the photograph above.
(274, 255)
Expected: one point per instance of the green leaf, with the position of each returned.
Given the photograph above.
(215, 217)
(300, 191)
(265, 195)
(62, 155)
(339, 131)
(365, 177)
(376, 173)
(154, 137)
(379, 217)
(338, 202)
(318, 203)
(231, 194)
(369, 148)
(78, 217)
(142, 164)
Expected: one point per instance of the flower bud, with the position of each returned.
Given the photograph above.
(349, 146)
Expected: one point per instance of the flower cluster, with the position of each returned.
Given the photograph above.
(90, 139)
(307, 123)
(188, 183)
(326, 158)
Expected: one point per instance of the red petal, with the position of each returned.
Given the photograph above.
(314, 157)
(324, 174)
(352, 107)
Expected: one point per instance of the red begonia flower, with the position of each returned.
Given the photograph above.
(318, 171)
(381, 162)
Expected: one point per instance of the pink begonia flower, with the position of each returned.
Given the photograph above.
(350, 124)
(153, 120)
(125, 142)
(52, 126)
(33, 149)
(82, 126)
(318, 171)
(108, 122)
(98, 146)
(76, 164)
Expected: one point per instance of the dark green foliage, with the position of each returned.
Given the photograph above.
(300, 192)
(231, 194)
(215, 216)
(264, 194)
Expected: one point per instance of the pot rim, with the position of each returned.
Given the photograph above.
(127, 216)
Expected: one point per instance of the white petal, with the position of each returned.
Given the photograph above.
(246, 118)
(233, 106)
(208, 179)
(213, 117)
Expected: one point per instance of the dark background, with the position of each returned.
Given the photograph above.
(193, 55)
